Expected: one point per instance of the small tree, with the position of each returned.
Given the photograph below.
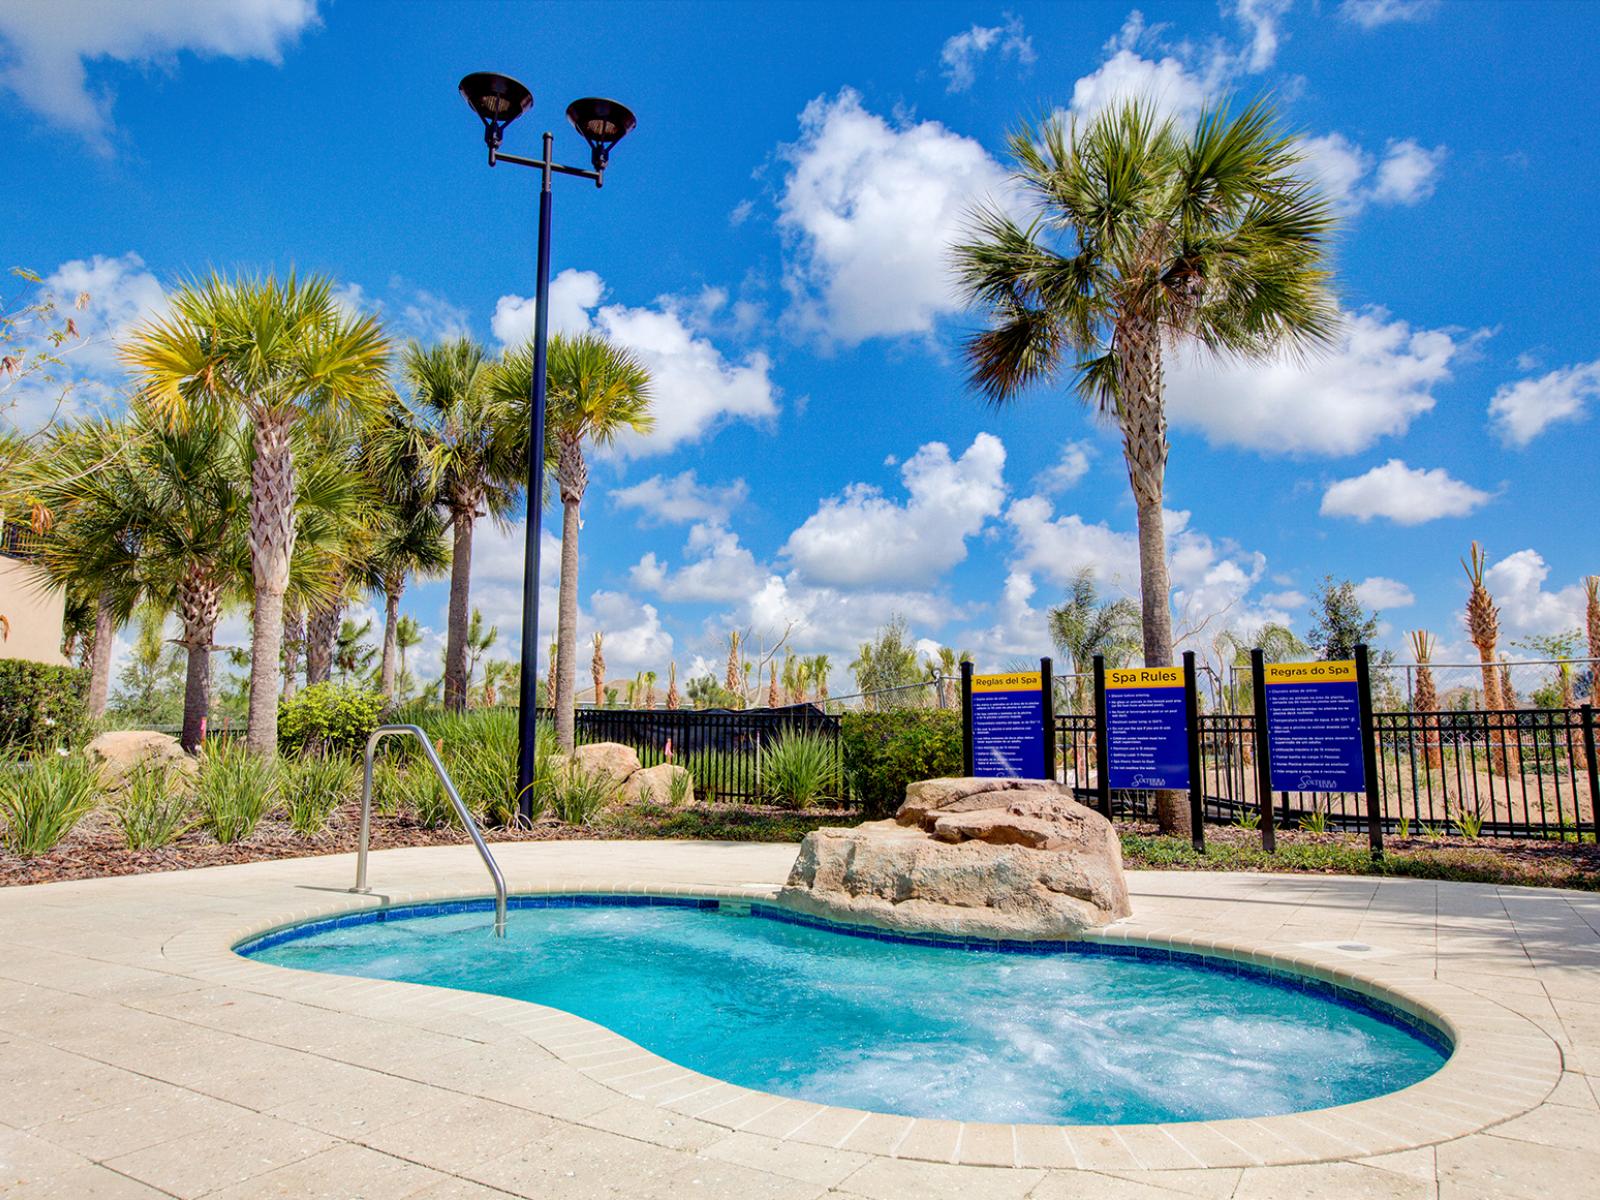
(1341, 621)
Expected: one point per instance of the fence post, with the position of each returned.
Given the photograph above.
(1048, 700)
(1369, 751)
(1102, 768)
(1258, 682)
(966, 719)
(1593, 762)
(1191, 716)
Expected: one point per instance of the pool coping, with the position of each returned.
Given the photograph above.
(1502, 1066)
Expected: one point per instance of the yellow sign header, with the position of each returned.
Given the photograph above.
(1339, 671)
(1144, 677)
(1020, 681)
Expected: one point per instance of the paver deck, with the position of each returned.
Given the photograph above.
(140, 1057)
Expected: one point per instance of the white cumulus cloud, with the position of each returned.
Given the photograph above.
(1517, 583)
(697, 388)
(1068, 470)
(862, 538)
(680, 499)
(1370, 14)
(1380, 592)
(1402, 494)
(869, 210)
(1521, 411)
(49, 45)
(959, 57)
(1353, 177)
(1377, 378)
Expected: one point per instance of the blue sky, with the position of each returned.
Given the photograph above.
(771, 240)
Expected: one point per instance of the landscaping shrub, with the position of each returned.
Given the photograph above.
(421, 792)
(577, 795)
(328, 718)
(234, 791)
(799, 769)
(154, 809)
(314, 787)
(41, 706)
(883, 752)
(41, 800)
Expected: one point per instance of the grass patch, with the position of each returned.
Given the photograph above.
(41, 800)
(314, 787)
(235, 790)
(155, 810)
(716, 823)
(1450, 864)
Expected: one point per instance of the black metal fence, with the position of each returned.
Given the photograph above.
(722, 748)
(1528, 773)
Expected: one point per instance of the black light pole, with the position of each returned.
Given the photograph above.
(499, 100)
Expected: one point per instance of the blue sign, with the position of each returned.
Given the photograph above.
(1314, 727)
(1147, 729)
(1008, 718)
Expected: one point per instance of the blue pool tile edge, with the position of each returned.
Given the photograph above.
(1373, 1006)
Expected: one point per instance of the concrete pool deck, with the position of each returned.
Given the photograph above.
(140, 1057)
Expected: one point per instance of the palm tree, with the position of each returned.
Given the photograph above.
(278, 352)
(650, 689)
(597, 668)
(1591, 614)
(673, 698)
(1083, 625)
(596, 391)
(407, 635)
(1148, 238)
(1483, 627)
(468, 438)
(820, 666)
(735, 679)
(1426, 697)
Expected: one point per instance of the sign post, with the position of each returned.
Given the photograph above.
(1102, 775)
(1369, 753)
(1197, 782)
(1006, 725)
(1258, 689)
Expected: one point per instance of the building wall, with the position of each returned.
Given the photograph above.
(35, 615)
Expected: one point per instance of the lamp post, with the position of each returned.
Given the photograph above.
(499, 100)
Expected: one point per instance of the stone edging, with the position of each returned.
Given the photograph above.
(1502, 1065)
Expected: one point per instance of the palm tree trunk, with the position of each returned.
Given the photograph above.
(455, 650)
(272, 499)
(294, 637)
(321, 629)
(199, 606)
(566, 626)
(100, 656)
(1142, 415)
(391, 623)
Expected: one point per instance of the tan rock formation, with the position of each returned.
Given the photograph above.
(999, 858)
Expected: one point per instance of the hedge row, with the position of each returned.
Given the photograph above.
(41, 706)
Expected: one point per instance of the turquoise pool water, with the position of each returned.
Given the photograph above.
(956, 1031)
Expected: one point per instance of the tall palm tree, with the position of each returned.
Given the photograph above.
(469, 438)
(278, 352)
(596, 391)
(1148, 238)
(1083, 625)
(597, 668)
(1426, 699)
(820, 666)
(1591, 624)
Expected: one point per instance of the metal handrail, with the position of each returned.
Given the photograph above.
(378, 735)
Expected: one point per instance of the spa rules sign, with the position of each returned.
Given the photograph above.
(1007, 726)
(1314, 727)
(1147, 728)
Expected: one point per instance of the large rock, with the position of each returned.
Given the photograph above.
(617, 762)
(1001, 858)
(654, 784)
(122, 752)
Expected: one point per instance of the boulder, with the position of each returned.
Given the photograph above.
(654, 784)
(999, 858)
(611, 759)
(120, 753)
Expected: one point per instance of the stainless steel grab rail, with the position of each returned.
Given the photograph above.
(378, 735)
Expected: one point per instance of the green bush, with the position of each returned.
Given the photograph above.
(235, 790)
(41, 706)
(799, 769)
(313, 787)
(577, 795)
(154, 810)
(328, 718)
(421, 792)
(883, 752)
(41, 800)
